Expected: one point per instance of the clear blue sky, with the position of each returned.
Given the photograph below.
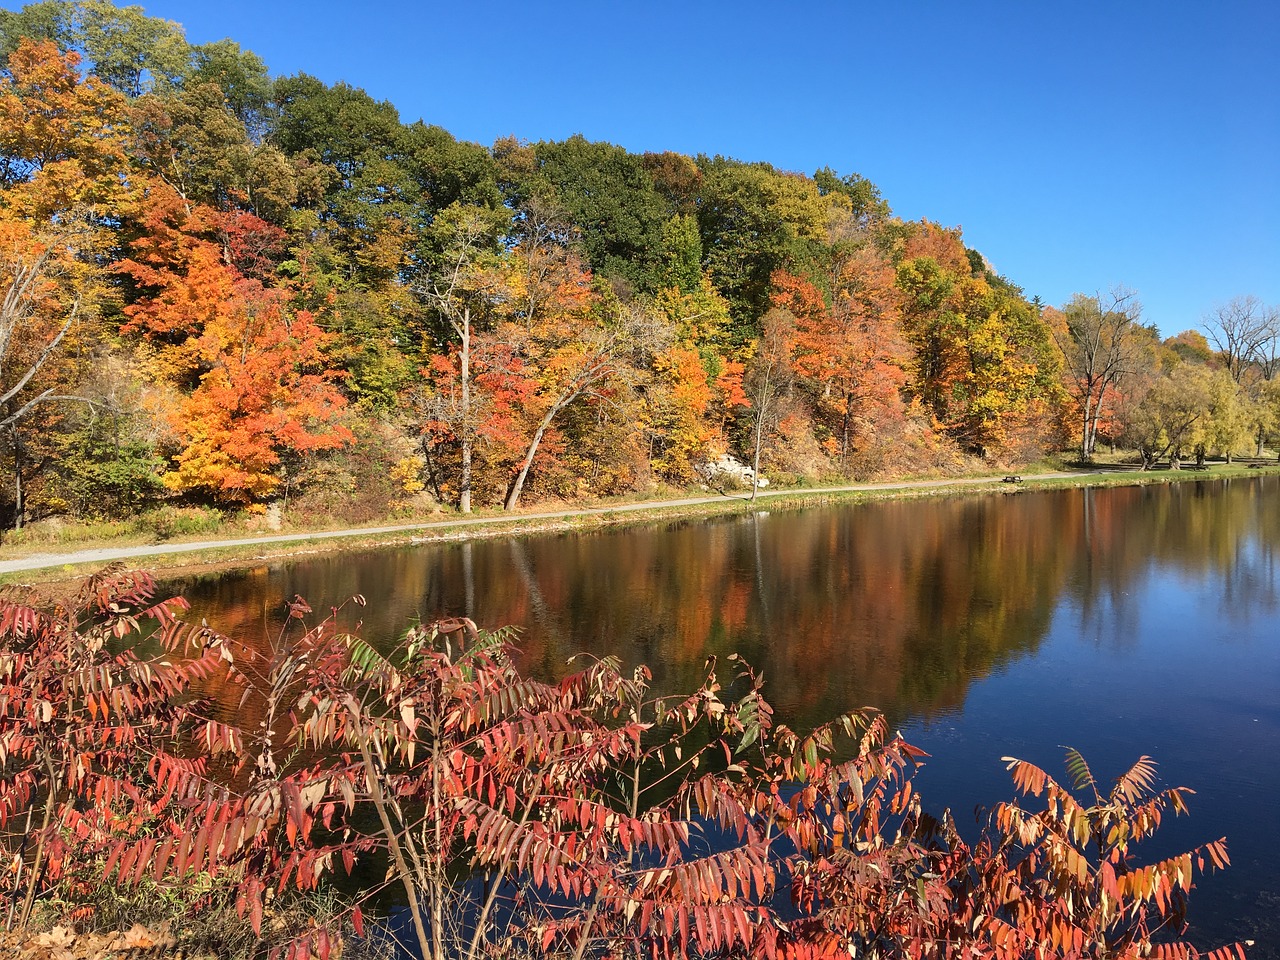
(1079, 144)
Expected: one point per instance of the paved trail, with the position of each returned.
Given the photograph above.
(38, 561)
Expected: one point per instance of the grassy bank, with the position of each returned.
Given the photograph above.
(157, 550)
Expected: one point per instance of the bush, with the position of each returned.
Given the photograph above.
(354, 485)
(521, 817)
(170, 521)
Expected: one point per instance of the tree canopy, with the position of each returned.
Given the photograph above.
(260, 276)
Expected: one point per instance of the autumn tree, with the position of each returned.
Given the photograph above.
(769, 376)
(558, 340)
(62, 161)
(1229, 428)
(984, 363)
(686, 406)
(851, 352)
(460, 289)
(1100, 344)
(754, 220)
(196, 143)
(1172, 417)
(259, 389)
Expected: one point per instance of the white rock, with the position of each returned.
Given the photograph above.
(730, 467)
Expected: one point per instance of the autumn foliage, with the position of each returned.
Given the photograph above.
(588, 816)
(273, 291)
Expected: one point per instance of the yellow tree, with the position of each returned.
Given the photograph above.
(62, 164)
(684, 407)
(985, 363)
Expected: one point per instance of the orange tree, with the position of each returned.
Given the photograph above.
(250, 380)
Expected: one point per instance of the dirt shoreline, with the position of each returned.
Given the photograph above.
(190, 558)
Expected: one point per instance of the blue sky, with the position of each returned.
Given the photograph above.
(1079, 144)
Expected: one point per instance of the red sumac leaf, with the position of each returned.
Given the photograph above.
(144, 858)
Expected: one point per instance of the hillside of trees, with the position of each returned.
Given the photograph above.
(227, 289)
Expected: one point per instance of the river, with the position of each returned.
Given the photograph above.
(1120, 621)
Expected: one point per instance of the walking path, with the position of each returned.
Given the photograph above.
(38, 561)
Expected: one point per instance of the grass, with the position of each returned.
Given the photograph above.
(195, 919)
(178, 525)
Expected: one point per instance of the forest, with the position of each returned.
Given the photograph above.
(227, 292)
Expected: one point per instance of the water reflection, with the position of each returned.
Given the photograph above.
(898, 605)
(1123, 621)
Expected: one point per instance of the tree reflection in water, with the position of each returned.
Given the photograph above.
(1123, 621)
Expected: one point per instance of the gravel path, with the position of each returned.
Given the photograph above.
(38, 561)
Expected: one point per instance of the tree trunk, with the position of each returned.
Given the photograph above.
(19, 507)
(1084, 431)
(844, 442)
(431, 470)
(755, 460)
(513, 497)
(464, 435)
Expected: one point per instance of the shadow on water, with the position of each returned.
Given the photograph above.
(1122, 621)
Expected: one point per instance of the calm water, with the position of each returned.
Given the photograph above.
(1122, 622)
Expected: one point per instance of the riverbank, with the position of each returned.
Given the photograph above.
(198, 555)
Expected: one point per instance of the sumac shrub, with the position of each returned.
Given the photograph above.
(585, 817)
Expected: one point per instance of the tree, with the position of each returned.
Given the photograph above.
(768, 377)
(241, 76)
(195, 143)
(1245, 332)
(755, 220)
(851, 354)
(1172, 417)
(1228, 428)
(268, 396)
(559, 341)
(460, 289)
(685, 403)
(259, 388)
(125, 49)
(62, 160)
(1100, 345)
(608, 194)
(984, 365)
(867, 205)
